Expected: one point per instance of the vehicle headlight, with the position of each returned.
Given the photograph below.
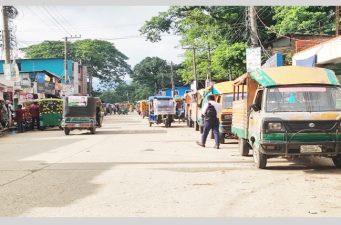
(275, 126)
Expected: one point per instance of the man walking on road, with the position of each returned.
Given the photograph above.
(34, 111)
(210, 121)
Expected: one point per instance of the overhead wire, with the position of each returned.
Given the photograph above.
(53, 20)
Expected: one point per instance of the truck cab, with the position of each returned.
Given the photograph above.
(289, 111)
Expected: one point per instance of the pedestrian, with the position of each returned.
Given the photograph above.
(209, 112)
(19, 117)
(3, 115)
(10, 113)
(35, 114)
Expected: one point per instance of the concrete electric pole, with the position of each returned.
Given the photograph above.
(6, 35)
(172, 80)
(66, 76)
(337, 20)
(194, 67)
(253, 26)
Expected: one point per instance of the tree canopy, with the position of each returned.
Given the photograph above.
(104, 61)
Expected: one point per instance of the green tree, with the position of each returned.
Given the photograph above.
(154, 73)
(104, 61)
(304, 19)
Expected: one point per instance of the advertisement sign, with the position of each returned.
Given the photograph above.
(67, 90)
(80, 101)
(40, 87)
(25, 80)
(253, 59)
(49, 88)
(40, 78)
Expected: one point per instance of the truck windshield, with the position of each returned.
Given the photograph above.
(303, 99)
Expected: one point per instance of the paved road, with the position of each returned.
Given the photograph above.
(130, 169)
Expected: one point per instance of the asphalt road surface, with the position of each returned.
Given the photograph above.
(130, 169)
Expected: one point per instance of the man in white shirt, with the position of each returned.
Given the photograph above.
(210, 112)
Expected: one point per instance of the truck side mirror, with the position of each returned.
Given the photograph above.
(255, 107)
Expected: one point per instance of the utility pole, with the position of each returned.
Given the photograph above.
(194, 67)
(66, 76)
(209, 78)
(337, 20)
(253, 26)
(6, 35)
(172, 80)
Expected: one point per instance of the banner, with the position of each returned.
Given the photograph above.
(253, 59)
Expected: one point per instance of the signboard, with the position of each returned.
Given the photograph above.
(80, 101)
(274, 61)
(9, 71)
(49, 88)
(253, 59)
(67, 90)
(25, 80)
(40, 87)
(40, 78)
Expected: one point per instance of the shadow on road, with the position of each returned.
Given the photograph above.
(56, 185)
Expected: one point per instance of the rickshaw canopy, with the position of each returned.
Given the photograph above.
(287, 75)
(222, 88)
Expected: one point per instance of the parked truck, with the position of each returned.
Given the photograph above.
(288, 111)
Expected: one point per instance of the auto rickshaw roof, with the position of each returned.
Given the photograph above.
(222, 88)
(160, 97)
(286, 75)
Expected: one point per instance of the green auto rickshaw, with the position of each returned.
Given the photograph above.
(51, 112)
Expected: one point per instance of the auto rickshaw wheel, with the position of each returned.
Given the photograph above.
(337, 161)
(244, 147)
(93, 130)
(66, 131)
(259, 158)
(221, 138)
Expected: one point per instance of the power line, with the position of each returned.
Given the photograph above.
(53, 20)
(66, 22)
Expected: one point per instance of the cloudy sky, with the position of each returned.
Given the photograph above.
(117, 24)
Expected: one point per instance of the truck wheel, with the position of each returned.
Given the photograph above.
(222, 138)
(196, 126)
(337, 161)
(259, 158)
(244, 147)
(93, 130)
(66, 131)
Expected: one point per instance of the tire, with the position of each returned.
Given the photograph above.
(93, 130)
(196, 126)
(66, 131)
(337, 161)
(221, 138)
(244, 147)
(150, 124)
(259, 158)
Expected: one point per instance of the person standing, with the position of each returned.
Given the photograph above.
(10, 110)
(19, 117)
(35, 113)
(209, 112)
(4, 115)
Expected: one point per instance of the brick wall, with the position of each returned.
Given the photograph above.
(308, 42)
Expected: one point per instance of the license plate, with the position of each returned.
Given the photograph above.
(310, 148)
